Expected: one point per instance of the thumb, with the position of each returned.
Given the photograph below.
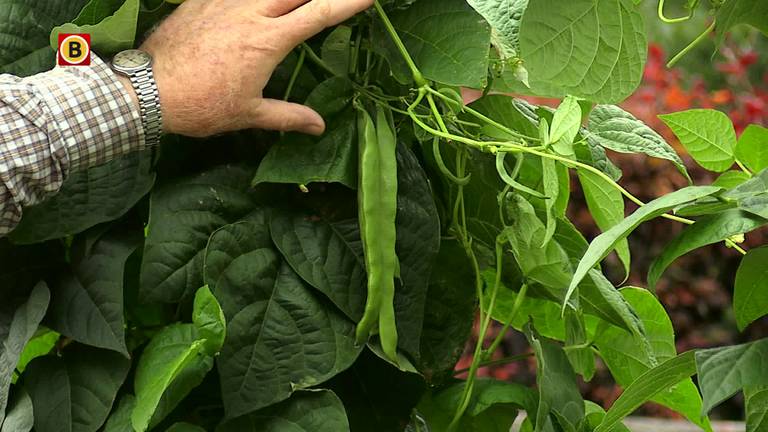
(277, 115)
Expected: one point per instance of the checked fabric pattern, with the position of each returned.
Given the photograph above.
(57, 122)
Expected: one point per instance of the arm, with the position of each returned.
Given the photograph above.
(73, 118)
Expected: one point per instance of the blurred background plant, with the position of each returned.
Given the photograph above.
(697, 289)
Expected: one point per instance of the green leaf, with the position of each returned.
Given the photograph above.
(209, 320)
(337, 49)
(492, 408)
(88, 198)
(331, 158)
(183, 214)
(590, 49)
(726, 370)
(629, 356)
(606, 205)
(93, 287)
(737, 12)
(514, 113)
(75, 393)
(19, 319)
(651, 383)
(458, 60)
(41, 344)
(706, 231)
(305, 411)
(582, 359)
(752, 148)
(731, 179)
(708, 135)
(504, 18)
(110, 35)
(605, 242)
(566, 124)
(750, 293)
(448, 319)
(185, 427)
(756, 401)
(25, 41)
(373, 389)
(559, 397)
(617, 130)
(169, 368)
(20, 416)
(321, 253)
(595, 415)
(120, 419)
(281, 337)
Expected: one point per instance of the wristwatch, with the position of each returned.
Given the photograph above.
(137, 65)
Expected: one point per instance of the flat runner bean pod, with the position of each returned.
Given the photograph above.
(377, 200)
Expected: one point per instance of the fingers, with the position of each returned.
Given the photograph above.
(316, 15)
(288, 117)
(278, 8)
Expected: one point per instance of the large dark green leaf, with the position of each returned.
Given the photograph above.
(706, 231)
(75, 393)
(458, 57)
(306, 411)
(87, 299)
(301, 159)
(281, 337)
(377, 396)
(451, 301)
(492, 408)
(87, 198)
(750, 292)
(183, 215)
(726, 370)
(595, 49)
(19, 318)
(26, 26)
(605, 242)
(647, 386)
(418, 242)
(630, 356)
(560, 401)
(323, 256)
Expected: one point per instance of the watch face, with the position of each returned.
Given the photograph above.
(132, 60)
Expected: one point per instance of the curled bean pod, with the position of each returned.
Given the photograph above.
(377, 201)
(461, 181)
(508, 179)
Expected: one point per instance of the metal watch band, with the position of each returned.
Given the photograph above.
(149, 100)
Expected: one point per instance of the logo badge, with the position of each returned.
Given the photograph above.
(74, 49)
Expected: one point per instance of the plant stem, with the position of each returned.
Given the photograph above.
(744, 168)
(671, 20)
(692, 45)
(515, 307)
(499, 362)
(295, 74)
(316, 59)
(418, 77)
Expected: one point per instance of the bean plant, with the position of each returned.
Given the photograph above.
(258, 281)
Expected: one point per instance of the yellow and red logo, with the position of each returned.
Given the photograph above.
(74, 49)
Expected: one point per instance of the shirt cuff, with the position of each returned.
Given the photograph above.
(92, 113)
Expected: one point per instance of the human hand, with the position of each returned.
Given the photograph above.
(213, 58)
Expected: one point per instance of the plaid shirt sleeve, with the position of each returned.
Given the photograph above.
(55, 123)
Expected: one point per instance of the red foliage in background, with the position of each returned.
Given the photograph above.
(696, 290)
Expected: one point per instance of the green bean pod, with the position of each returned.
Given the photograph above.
(377, 201)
